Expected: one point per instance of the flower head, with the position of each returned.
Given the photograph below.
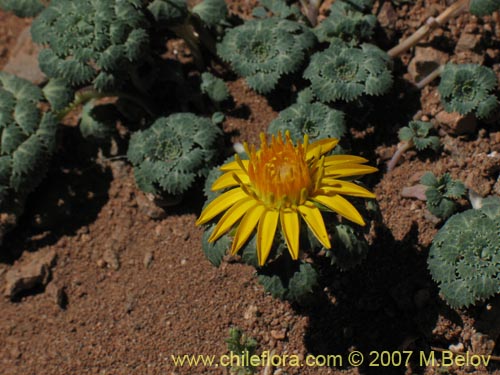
(278, 185)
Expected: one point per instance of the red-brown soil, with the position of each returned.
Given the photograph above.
(139, 290)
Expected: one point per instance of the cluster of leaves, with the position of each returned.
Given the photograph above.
(264, 50)
(348, 21)
(315, 119)
(342, 72)
(94, 42)
(417, 135)
(483, 7)
(214, 87)
(465, 255)
(169, 155)
(468, 88)
(27, 140)
(22, 8)
(240, 344)
(442, 193)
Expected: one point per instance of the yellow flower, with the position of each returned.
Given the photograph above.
(283, 183)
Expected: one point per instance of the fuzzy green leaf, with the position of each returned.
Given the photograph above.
(211, 12)
(214, 87)
(215, 251)
(97, 122)
(483, 7)
(22, 8)
(441, 194)
(58, 93)
(351, 247)
(168, 11)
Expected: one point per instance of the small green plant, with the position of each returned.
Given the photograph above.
(214, 87)
(243, 346)
(168, 156)
(22, 8)
(468, 88)
(347, 21)
(442, 193)
(91, 42)
(416, 134)
(278, 8)
(483, 7)
(262, 51)
(27, 141)
(315, 119)
(464, 258)
(346, 73)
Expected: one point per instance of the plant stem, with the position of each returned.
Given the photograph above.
(431, 24)
(402, 148)
(431, 77)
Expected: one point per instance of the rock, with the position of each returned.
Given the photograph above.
(278, 334)
(387, 16)
(467, 42)
(149, 208)
(417, 192)
(482, 344)
(457, 347)
(57, 294)
(33, 272)
(148, 259)
(457, 124)
(425, 61)
(111, 259)
(23, 61)
(251, 313)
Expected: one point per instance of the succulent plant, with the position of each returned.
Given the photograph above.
(483, 7)
(315, 119)
(464, 258)
(214, 87)
(345, 73)
(346, 21)
(416, 134)
(296, 286)
(239, 344)
(441, 194)
(262, 51)
(27, 139)
(22, 8)
(91, 41)
(467, 88)
(168, 156)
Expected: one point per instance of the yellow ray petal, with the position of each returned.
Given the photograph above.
(346, 170)
(341, 206)
(344, 188)
(246, 227)
(322, 146)
(234, 166)
(341, 159)
(312, 216)
(231, 217)
(227, 180)
(290, 226)
(221, 203)
(265, 234)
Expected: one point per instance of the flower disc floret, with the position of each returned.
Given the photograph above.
(280, 184)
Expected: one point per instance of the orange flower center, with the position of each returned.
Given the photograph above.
(279, 172)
